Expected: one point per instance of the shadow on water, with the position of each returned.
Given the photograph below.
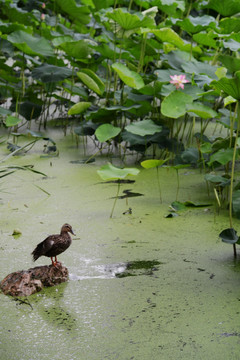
(140, 267)
(121, 270)
(50, 307)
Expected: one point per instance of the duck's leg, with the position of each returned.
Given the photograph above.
(56, 260)
(53, 263)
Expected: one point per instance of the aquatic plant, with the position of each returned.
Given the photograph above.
(110, 172)
(106, 66)
(97, 64)
(230, 87)
(154, 163)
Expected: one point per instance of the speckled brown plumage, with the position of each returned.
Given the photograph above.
(54, 245)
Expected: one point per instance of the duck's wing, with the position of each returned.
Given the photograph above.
(44, 247)
(59, 245)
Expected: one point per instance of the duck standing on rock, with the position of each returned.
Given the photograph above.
(54, 245)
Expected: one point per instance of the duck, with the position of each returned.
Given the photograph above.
(54, 245)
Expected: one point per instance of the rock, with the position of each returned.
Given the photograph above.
(28, 282)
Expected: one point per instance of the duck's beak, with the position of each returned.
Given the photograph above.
(72, 232)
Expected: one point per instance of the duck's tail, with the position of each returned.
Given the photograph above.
(37, 252)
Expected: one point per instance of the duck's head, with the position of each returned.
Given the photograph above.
(67, 228)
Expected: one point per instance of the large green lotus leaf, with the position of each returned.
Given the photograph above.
(194, 91)
(230, 25)
(4, 111)
(221, 72)
(229, 100)
(88, 3)
(199, 68)
(206, 39)
(223, 156)
(90, 82)
(133, 139)
(175, 59)
(230, 62)
(15, 13)
(224, 7)
(61, 39)
(138, 141)
(28, 109)
(111, 172)
(174, 105)
(152, 163)
(77, 49)
(151, 89)
(109, 51)
(7, 76)
(79, 108)
(196, 24)
(95, 77)
(234, 36)
(170, 36)
(51, 73)
(29, 44)
(217, 179)
(86, 128)
(138, 111)
(106, 132)
(130, 21)
(201, 110)
(206, 148)
(229, 236)
(229, 86)
(103, 4)
(12, 121)
(8, 27)
(129, 77)
(143, 128)
(232, 44)
(172, 8)
(109, 114)
(76, 12)
(190, 156)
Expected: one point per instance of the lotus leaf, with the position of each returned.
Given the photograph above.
(79, 108)
(106, 132)
(174, 105)
(111, 172)
(30, 44)
(129, 77)
(143, 128)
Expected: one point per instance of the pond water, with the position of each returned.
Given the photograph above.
(142, 286)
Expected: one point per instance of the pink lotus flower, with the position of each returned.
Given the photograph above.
(42, 17)
(43, 5)
(179, 81)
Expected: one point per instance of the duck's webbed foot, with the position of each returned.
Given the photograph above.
(55, 262)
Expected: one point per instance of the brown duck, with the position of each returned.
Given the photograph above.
(54, 245)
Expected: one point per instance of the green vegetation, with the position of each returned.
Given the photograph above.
(135, 75)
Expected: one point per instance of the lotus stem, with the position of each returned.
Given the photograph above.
(118, 189)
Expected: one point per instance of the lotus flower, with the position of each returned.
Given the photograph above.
(179, 81)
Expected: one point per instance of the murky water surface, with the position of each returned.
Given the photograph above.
(141, 286)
